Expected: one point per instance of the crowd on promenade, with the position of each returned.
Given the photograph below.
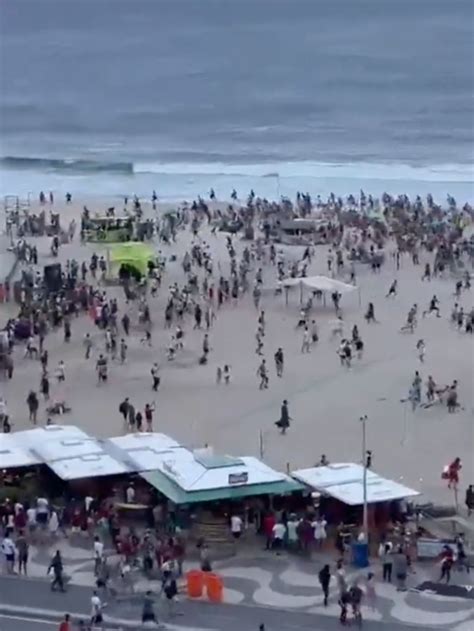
(120, 554)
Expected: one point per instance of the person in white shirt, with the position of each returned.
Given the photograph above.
(87, 502)
(96, 609)
(236, 524)
(130, 494)
(53, 524)
(306, 346)
(3, 408)
(31, 519)
(9, 549)
(61, 371)
(279, 532)
(320, 535)
(292, 529)
(98, 554)
(42, 511)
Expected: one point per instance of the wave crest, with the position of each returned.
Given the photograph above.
(66, 165)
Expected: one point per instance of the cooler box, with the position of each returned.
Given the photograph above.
(360, 554)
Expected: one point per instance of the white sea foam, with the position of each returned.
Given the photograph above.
(307, 169)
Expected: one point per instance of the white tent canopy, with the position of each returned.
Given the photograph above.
(344, 482)
(320, 283)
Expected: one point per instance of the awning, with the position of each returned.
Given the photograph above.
(177, 495)
(344, 482)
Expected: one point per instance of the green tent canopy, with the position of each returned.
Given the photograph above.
(133, 254)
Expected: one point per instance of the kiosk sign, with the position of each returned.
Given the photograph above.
(238, 478)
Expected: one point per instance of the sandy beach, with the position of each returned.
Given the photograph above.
(325, 399)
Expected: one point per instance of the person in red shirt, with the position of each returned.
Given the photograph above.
(447, 562)
(20, 520)
(453, 473)
(268, 523)
(65, 625)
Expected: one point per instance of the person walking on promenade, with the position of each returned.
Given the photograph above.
(65, 624)
(469, 500)
(400, 567)
(447, 562)
(387, 562)
(57, 566)
(22, 547)
(324, 580)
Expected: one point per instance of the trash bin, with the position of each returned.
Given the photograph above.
(214, 587)
(195, 583)
(360, 554)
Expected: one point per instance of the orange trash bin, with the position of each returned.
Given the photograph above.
(214, 587)
(195, 583)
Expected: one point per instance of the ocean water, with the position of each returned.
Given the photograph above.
(125, 96)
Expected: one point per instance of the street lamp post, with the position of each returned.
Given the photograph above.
(365, 525)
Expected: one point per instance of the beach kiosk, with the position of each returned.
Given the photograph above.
(200, 476)
(341, 488)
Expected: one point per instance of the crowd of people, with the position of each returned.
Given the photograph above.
(390, 231)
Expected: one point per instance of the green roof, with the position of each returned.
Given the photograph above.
(177, 495)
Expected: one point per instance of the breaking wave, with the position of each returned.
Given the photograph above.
(65, 165)
(298, 169)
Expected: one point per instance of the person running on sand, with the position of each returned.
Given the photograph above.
(279, 362)
(262, 373)
(411, 320)
(314, 332)
(392, 292)
(433, 306)
(359, 347)
(427, 273)
(420, 347)
(306, 346)
(370, 314)
(430, 389)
